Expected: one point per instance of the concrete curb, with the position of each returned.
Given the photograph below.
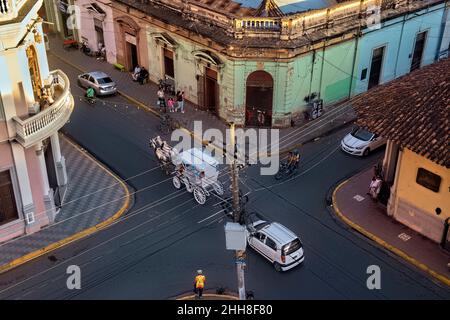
(209, 295)
(383, 243)
(84, 233)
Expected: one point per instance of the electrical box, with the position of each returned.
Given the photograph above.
(235, 236)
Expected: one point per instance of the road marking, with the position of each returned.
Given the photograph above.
(404, 236)
(358, 198)
(43, 285)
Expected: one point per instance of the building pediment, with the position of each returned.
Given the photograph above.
(208, 57)
(165, 39)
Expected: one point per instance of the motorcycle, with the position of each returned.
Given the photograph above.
(166, 86)
(85, 49)
(285, 171)
(101, 55)
(89, 100)
(168, 124)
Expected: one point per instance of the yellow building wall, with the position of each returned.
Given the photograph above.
(415, 205)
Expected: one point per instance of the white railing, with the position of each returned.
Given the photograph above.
(296, 25)
(45, 123)
(9, 9)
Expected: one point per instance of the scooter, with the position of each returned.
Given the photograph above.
(85, 49)
(166, 86)
(285, 172)
(91, 101)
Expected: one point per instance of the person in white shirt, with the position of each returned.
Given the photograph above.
(375, 187)
(136, 72)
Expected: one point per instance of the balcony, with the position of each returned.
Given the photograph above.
(33, 129)
(9, 9)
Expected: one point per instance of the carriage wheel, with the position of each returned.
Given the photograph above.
(188, 185)
(199, 195)
(176, 182)
(218, 188)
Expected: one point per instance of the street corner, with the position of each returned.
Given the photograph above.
(352, 204)
(93, 199)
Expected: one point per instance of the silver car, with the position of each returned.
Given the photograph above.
(276, 243)
(99, 81)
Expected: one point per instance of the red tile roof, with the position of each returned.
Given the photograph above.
(412, 110)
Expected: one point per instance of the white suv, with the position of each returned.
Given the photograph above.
(276, 243)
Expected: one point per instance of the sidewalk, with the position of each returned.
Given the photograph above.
(334, 116)
(94, 198)
(360, 212)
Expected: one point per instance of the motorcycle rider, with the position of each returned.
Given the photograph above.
(90, 94)
(293, 160)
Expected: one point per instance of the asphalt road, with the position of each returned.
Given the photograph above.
(154, 251)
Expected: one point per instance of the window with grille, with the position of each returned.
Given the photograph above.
(8, 209)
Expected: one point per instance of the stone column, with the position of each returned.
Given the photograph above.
(60, 161)
(26, 196)
(49, 202)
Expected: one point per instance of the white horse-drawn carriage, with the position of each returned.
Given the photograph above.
(193, 168)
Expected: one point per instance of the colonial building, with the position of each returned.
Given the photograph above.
(97, 26)
(34, 104)
(417, 161)
(237, 59)
(61, 14)
(241, 59)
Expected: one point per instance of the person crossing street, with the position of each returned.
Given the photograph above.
(199, 283)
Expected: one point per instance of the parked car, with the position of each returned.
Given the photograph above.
(276, 243)
(361, 142)
(99, 81)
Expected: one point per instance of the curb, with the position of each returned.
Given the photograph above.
(211, 295)
(82, 234)
(383, 243)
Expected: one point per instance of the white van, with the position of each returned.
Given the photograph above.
(276, 243)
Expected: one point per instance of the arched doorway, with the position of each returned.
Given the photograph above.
(129, 38)
(259, 99)
(35, 74)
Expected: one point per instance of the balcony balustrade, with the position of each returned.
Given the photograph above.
(9, 9)
(45, 123)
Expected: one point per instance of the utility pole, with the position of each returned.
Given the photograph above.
(240, 254)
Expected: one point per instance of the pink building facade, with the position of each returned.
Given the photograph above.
(34, 104)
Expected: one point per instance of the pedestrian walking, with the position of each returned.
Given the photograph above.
(161, 100)
(180, 101)
(375, 187)
(171, 104)
(199, 283)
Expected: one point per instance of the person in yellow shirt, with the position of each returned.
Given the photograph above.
(199, 283)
